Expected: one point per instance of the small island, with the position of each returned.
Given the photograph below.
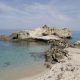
(44, 33)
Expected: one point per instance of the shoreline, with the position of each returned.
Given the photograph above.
(20, 73)
(69, 69)
(58, 58)
(38, 76)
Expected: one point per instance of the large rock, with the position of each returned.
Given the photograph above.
(14, 35)
(19, 35)
(77, 44)
(45, 30)
(55, 55)
(57, 51)
(43, 33)
(61, 43)
(63, 33)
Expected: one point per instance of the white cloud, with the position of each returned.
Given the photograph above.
(34, 15)
(47, 10)
(6, 9)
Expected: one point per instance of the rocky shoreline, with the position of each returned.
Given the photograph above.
(57, 51)
(67, 69)
(60, 58)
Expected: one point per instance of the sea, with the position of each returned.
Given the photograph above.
(23, 59)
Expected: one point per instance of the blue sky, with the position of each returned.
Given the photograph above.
(23, 14)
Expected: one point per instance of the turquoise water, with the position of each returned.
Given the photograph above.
(18, 57)
(12, 54)
(21, 56)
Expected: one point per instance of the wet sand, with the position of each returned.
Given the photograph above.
(18, 73)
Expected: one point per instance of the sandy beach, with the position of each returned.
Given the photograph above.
(19, 73)
(68, 69)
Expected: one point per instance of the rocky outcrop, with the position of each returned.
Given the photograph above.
(63, 33)
(55, 55)
(61, 43)
(14, 35)
(20, 35)
(67, 69)
(77, 44)
(57, 51)
(43, 33)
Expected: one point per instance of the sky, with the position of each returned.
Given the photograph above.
(27, 14)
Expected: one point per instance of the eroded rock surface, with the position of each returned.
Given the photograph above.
(57, 51)
(44, 33)
(62, 43)
(55, 55)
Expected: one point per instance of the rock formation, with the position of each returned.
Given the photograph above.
(77, 44)
(57, 51)
(62, 43)
(55, 55)
(20, 35)
(44, 33)
(63, 33)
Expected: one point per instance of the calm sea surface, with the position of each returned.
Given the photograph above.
(75, 36)
(22, 57)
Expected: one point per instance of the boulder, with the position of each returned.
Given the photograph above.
(61, 43)
(77, 44)
(55, 55)
(57, 52)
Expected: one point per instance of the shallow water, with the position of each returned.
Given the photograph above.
(16, 57)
